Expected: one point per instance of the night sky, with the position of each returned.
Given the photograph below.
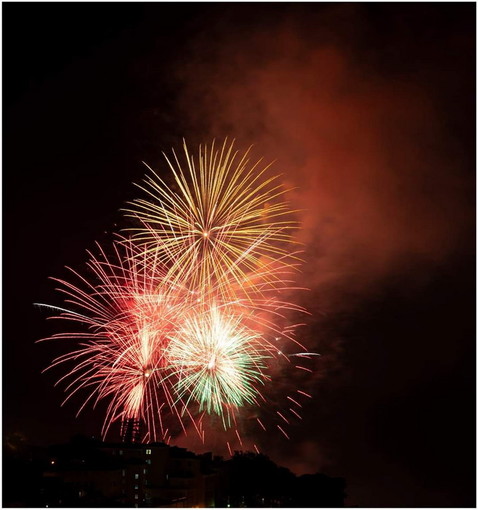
(368, 109)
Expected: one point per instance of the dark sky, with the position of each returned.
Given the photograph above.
(369, 109)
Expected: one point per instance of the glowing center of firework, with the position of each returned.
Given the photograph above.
(205, 235)
(219, 361)
(212, 363)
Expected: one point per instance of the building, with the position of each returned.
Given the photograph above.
(90, 473)
(134, 475)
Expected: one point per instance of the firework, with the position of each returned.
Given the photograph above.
(128, 312)
(218, 362)
(223, 217)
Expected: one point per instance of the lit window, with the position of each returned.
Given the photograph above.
(136, 476)
(148, 452)
(148, 461)
(136, 487)
(145, 471)
(121, 452)
(135, 496)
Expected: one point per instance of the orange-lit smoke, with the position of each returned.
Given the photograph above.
(384, 183)
(364, 148)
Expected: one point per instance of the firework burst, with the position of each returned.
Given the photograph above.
(224, 217)
(128, 311)
(218, 362)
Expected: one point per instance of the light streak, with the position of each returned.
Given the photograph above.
(304, 393)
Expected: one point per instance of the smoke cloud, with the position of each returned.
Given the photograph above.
(363, 144)
(360, 117)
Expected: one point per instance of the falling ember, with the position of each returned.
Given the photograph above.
(282, 416)
(304, 393)
(303, 368)
(239, 437)
(282, 430)
(295, 401)
(261, 424)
